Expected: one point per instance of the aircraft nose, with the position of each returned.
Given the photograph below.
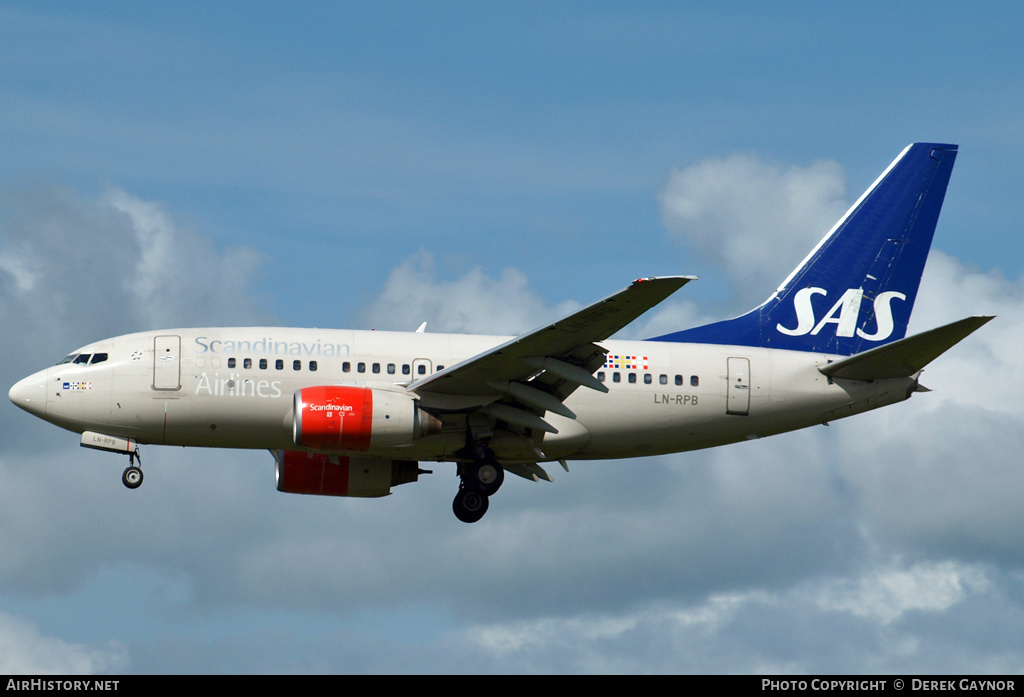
(30, 394)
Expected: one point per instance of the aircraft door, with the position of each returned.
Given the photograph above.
(739, 387)
(167, 363)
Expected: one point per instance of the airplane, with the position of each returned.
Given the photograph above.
(354, 413)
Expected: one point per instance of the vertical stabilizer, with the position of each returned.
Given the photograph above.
(857, 287)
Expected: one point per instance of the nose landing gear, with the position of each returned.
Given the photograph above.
(132, 476)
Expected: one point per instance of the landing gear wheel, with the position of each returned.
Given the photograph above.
(469, 506)
(484, 476)
(132, 477)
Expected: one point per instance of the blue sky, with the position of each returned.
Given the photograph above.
(487, 167)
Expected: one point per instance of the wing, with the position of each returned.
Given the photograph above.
(520, 380)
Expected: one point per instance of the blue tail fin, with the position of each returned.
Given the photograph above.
(856, 289)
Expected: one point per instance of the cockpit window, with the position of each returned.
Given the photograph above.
(84, 358)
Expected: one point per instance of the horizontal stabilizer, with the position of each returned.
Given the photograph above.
(905, 357)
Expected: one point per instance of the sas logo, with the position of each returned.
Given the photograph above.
(845, 314)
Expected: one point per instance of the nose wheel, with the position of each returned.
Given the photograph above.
(132, 476)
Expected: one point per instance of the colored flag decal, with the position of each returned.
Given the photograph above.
(613, 362)
(77, 385)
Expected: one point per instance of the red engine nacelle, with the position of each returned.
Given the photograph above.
(333, 475)
(336, 418)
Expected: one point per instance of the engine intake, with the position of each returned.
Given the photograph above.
(334, 418)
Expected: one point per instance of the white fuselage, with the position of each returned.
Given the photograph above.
(234, 387)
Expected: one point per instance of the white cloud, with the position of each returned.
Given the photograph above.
(178, 278)
(472, 304)
(75, 269)
(887, 594)
(982, 371)
(20, 271)
(476, 303)
(756, 220)
(864, 622)
(24, 650)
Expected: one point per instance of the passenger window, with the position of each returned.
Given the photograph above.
(616, 377)
(694, 380)
(679, 379)
(391, 368)
(632, 378)
(648, 378)
(296, 365)
(361, 367)
(421, 369)
(663, 379)
(346, 367)
(600, 376)
(440, 368)
(279, 364)
(405, 369)
(312, 366)
(231, 362)
(247, 363)
(98, 358)
(263, 364)
(376, 367)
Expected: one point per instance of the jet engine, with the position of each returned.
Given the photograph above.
(333, 475)
(336, 418)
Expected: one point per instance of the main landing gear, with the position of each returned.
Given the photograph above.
(469, 506)
(481, 478)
